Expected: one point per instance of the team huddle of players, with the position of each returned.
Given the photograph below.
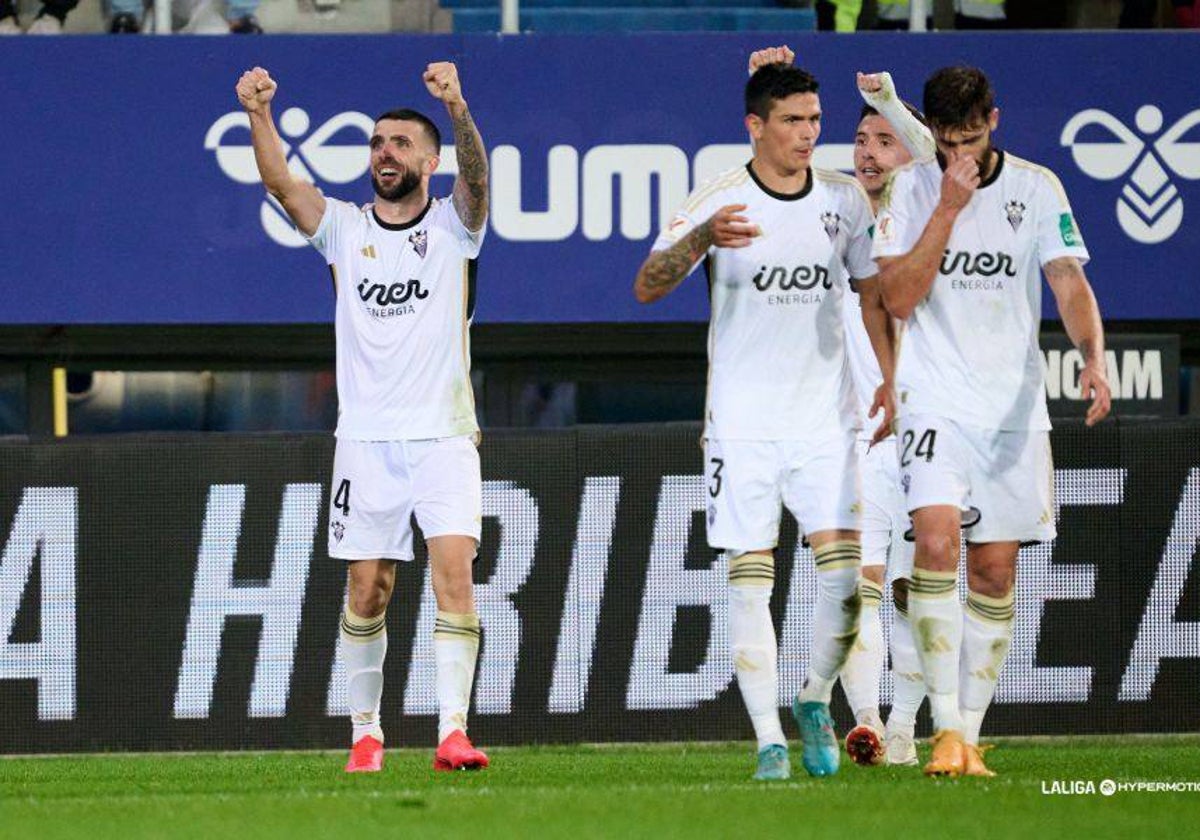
(931, 261)
(904, 300)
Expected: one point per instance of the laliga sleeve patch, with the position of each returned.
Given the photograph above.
(1066, 226)
(885, 230)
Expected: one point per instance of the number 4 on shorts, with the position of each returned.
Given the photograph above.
(341, 499)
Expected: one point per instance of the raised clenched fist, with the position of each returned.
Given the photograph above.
(255, 89)
(441, 79)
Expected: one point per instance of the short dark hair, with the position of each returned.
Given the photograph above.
(776, 81)
(871, 111)
(956, 97)
(410, 115)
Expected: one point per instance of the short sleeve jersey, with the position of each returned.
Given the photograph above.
(970, 349)
(776, 346)
(404, 299)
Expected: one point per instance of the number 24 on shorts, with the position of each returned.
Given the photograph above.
(924, 449)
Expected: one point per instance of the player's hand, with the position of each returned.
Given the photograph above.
(1093, 381)
(885, 399)
(959, 182)
(771, 55)
(255, 89)
(730, 229)
(441, 80)
(875, 83)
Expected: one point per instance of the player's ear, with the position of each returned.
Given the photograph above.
(754, 125)
(431, 164)
(994, 119)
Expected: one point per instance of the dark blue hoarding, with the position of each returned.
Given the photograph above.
(130, 194)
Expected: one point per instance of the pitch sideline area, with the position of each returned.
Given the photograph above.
(660, 790)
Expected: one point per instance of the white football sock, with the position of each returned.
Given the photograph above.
(908, 679)
(987, 636)
(864, 666)
(835, 616)
(455, 650)
(364, 646)
(752, 640)
(936, 617)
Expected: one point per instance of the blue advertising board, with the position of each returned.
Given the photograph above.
(130, 193)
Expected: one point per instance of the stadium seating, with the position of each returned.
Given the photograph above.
(626, 16)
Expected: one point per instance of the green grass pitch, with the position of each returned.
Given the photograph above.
(661, 790)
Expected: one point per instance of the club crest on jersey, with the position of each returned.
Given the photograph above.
(831, 221)
(1016, 214)
(420, 242)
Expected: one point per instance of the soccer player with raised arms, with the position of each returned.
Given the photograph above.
(962, 241)
(780, 240)
(889, 134)
(403, 274)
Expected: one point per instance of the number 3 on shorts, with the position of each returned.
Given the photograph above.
(924, 446)
(341, 499)
(714, 487)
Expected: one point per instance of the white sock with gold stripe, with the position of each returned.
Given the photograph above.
(835, 616)
(987, 636)
(864, 666)
(936, 619)
(907, 677)
(455, 649)
(752, 640)
(364, 646)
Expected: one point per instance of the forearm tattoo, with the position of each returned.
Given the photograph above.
(472, 171)
(666, 269)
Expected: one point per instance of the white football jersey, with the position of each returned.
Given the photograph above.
(970, 350)
(776, 348)
(404, 299)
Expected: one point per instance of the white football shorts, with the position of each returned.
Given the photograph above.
(749, 480)
(1007, 475)
(378, 486)
(884, 513)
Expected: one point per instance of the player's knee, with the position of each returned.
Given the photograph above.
(368, 601)
(368, 594)
(875, 574)
(937, 551)
(992, 581)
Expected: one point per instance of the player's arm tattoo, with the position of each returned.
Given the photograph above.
(471, 184)
(1077, 307)
(666, 269)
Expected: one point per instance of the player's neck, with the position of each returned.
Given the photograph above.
(402, 211)
(993, 160)
(780, 180)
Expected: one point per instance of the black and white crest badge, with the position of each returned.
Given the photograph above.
(420, 242)
(831, 221)
(1016, 214)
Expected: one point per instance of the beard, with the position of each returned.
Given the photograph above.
(407, 182)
